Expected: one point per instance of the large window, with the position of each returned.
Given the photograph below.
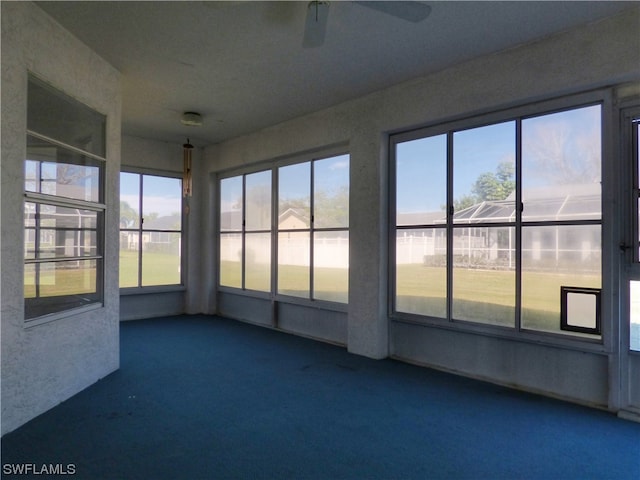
(64, 203)
(313, 235)
(288, 226)
(150, 230)
(500, 223)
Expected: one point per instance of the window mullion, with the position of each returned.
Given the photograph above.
(311, 228)
(243, 240)
(140, 227)
(450, 212)
(518, 226)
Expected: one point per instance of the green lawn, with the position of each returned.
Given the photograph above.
(329, 283)
(485, 296)
(157, 269)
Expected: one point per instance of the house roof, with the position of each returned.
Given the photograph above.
(548, 203)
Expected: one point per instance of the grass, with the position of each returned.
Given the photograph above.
(486, 296)
(330, 284)
(157, 269)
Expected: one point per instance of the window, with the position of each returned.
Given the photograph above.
(245, 231)
(64, 203)
(308, 233)
(150, 230)
(313, 235)
(494, 222)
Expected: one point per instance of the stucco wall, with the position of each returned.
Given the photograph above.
(598, 55)
(46, 364)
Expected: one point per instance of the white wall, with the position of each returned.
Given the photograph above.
(598, 55)
(46, 364)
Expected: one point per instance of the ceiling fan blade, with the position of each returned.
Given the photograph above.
(315, 26)
(410, 11)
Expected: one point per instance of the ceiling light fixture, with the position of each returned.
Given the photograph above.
(191, 119)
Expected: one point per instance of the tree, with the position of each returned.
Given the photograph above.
(556, 153)
(128, 215)
(495, 186)
(489, 186)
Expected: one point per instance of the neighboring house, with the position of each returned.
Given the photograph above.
(293, 219)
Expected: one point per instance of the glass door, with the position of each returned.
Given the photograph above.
(630, 325)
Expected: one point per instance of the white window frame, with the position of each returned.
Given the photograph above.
(139, 288)
(609, 248)
(88, 301)
(273, 166)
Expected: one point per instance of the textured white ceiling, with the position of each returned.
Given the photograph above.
(243, 67)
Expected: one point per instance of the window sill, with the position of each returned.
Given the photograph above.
(581, 344)
(52, 317)
(151, 290)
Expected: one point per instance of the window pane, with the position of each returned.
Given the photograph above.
(63, 217)
(231, 260)
(161, 203)
(331, 266)
(129, 200)
(331, 192)
(294, 186)
(561, 165)
(160, 258)
(29, 230)
(484, 174)
(258, 201)
(421, 181)
(421, 272)
(231, 204)
(555, 256)
(54, 170)
(129, 249)
(59, 286)
(60, 278)
(67, 243)
(634, 296)
(257, 274)
(82, 127)
(293, 263)
(484, 281)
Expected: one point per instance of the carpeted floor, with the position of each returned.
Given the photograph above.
(201, 397)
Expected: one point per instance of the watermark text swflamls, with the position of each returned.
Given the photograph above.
(39, 469)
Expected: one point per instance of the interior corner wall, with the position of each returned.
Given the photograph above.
(44, 365)
(157, 157)
(597, 55)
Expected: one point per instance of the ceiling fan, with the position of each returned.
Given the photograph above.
(318, 12)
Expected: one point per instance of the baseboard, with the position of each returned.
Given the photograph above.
(630, 413)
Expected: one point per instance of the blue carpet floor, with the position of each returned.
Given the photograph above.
(201, 397)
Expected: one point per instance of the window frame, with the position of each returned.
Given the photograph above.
(143, 289)
(50, 308)
(273, 166)
(630, 199)
(520, 113)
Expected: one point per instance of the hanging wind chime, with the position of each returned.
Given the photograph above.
(187, 180)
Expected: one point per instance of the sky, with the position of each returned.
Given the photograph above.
(421, 164)
(295, 180)
(162, 195)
